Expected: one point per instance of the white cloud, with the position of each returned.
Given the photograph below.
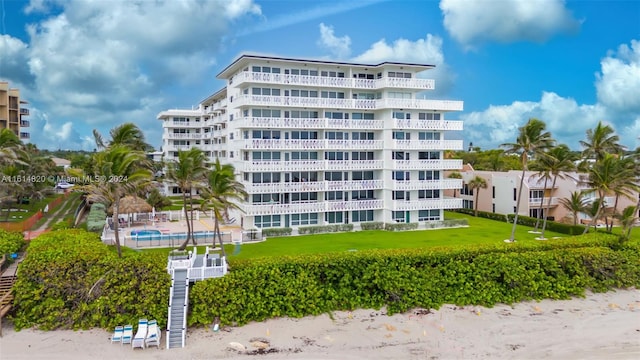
(422, 51)
(470, 22)
(13, 61)
(618, 83)
(340, 47)
(565, 118)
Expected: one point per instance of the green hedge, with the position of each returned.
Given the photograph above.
(377, 225)
(276, 232)
(325, 229)
(10, 242)
(400, 226)
(403, 279)
(71, 280)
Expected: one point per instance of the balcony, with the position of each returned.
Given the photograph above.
(427, 204)
(183, 124)
(364, 104)
(309, 207)
(353, 165)
(179, 147)
(25, 135)
(25, 123)
(323, 81)
(24, 111)
(309, 144)
(284, 187)
(436, 164)
(427, 184)
(366, 204)
(196, 136)
(437, 125)
(427, 144)
(354, 144)
(535, 202)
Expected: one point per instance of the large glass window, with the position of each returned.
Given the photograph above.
(362, 215)
(304, 219)
(429, 175)
(304, 197)
(333, 195)
(362, 175)
(429, 215)
(362, 195)
(301, 176)
(362, 155)
(304, 155)
(334, 217)
(266, 155)
(429, 194)
(267, 221)
(267, 177)
(362, 135)
(428, 135)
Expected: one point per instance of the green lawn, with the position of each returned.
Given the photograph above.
(480, 231)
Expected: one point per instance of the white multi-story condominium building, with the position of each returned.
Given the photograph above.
(501, 194)
(321, 142)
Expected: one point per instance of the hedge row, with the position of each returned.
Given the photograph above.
(404, 279)
(325, 229)
(71, 280)
(10, 242)
(528, 221)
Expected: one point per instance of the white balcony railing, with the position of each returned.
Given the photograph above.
(447, 125)
(323, 81)
(197, 136)
(452, 164)
(316, 144)
(365, 104)
(427, 204)
(307, 207)
(312, 186)
(353, 164)
(428, 144)
(427, 184)
(366, 204)
(353, 185)
(535, 202)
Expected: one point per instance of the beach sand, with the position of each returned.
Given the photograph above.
(600, 326)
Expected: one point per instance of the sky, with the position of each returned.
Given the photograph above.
(85, 65)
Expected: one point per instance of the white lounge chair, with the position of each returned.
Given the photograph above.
(127, 334)
(141, 334)
(117, 334)
(153, 334)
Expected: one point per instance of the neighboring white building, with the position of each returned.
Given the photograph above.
(321, 142)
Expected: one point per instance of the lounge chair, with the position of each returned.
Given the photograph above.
(141, 334)
(153, 334)
(127, 334)
(117, 334)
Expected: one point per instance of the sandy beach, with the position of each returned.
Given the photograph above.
(600, 326)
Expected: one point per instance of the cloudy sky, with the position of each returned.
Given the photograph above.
(86, 65)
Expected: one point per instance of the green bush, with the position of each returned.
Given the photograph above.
(377, 225)
(403, 279)
(10, 242)
(325, 229)
(71, 280)
(400, 226)
(528, 221)
(271, 232)
(96, 218)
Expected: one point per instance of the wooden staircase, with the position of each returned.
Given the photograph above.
(6, 296)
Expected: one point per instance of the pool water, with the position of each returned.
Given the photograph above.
(145, 232)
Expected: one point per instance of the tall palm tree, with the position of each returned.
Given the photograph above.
(119, 171)
(627, 219)
(576, 203)
(188, 172)
(558, 161)
(627, 182)
(476, 184)
(543, 173)
(600, 141)
(608, 176)
(533, 139)
(222, 193)
(128, 134)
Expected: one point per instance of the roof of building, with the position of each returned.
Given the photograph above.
(232, 68)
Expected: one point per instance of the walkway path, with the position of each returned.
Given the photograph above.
(31, 234)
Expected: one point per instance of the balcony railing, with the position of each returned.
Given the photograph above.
(312, 186)
(24, 111)
(25, 135)
(427, 184)
(24, 123)
(427, 204)
(323, 81)
(316, 144)
(535, 202)
(365, 104)
(427, 144)
(447, 125)
(308, 207)
(198, 136)
(452, 164)
(353, 164)
(183, 124)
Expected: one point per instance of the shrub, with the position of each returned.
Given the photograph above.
(400, 226)
(10, 242)
(377, 225)
(325, 229)
(276, 232)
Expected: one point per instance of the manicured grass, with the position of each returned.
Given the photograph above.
(480, 231)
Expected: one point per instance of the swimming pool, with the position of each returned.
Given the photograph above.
(145, 232)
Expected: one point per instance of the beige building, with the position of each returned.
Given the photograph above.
(501, 193)
(12, 114)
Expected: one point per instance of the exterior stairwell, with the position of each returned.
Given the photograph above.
(178, 304)
(6, 296)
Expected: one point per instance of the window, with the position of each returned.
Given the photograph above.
(333, 176)
(304, 135)
(362, 195)
(268, 177)
(336, 155)
(429, 215)
(400, 175)
(429, 155)
(336, 135)
(333, 196)
(362, 175)
(401, 135)
(467, 204)
(362, 215)
(536, 195)
(428, 135)
(514, 196)
(401, 195)
(264, 198)
(332, 95)
(265, 91)
(399, 155)
(265, 113)
(304, 219)
(336, 115)
(267, 221)
(400, 115)
(362, 116)
(334, 217)
(429, 194)
(493, 194)
(304, 197)
(428, 116)
(396, 74)
(429, 175)
(301, 176)
(266, 155)
(398, 216)
(301, 114)
(362, 155)
(362, 135)
(304, 155)
(265, 134)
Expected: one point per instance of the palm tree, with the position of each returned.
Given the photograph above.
(627, 182)
(455, 175)
(627, 219)
(532, 139)
(543, 173)
(187, 173)
(600, 141)
(558, 161)
(221, 193)
(576, 203)
(476, 184)
(610, 175)
(119, 171)
(128, 134)
(10, 147)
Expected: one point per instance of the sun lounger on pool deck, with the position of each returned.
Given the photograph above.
(141, 334)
